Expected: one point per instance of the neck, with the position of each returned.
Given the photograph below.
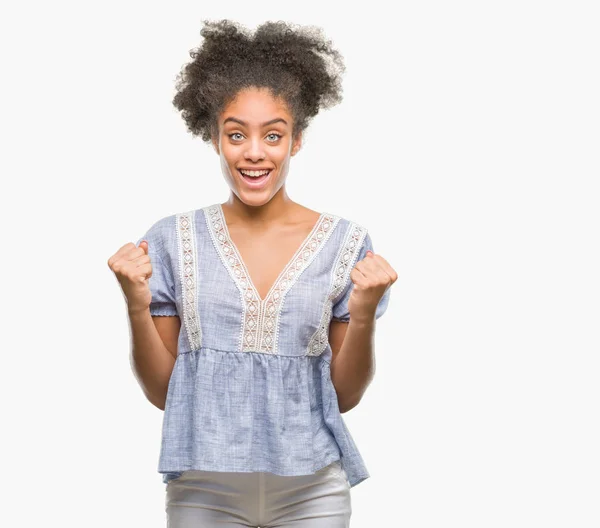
(278, 208)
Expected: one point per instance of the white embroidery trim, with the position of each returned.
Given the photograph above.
(188, 265)
(299, 262)
(344, 263)
(260, 319)
(250, 300)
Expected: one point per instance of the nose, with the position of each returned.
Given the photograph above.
(255, 150)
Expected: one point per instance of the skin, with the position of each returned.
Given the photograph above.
(267, 217)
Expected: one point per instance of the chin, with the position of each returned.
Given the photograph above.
(255, 201)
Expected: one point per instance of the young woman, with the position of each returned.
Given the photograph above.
(253, 320)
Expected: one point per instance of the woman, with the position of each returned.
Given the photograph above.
(252, 320)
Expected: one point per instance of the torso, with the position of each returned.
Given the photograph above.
(266, 254)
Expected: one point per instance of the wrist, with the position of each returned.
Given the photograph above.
(363, 319)
(138, 313)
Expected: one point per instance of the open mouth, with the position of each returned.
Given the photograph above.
(255, 178)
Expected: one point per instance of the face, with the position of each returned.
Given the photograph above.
(255, 134)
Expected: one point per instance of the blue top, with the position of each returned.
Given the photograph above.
(251, 388)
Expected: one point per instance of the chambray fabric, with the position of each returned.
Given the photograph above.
(234, 403)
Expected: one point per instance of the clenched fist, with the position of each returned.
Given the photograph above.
(133, 268)
(371, 276)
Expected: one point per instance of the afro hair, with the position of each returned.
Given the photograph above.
(297, 63)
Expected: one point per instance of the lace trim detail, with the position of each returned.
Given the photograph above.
(186, 241)
(248, 338)
(260, 318)
(344, 262)
(299, 262)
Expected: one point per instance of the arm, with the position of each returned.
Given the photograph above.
(351, 337)
(153, 353)
(352, 360)
(155, 328)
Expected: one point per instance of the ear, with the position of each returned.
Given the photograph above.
(296, 144)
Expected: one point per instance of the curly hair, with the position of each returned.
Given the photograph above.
(297, 63)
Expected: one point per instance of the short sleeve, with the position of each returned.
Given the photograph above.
(340, 306)
(161, 282)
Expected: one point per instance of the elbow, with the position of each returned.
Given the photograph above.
(348, 405)
(159, 401)
(346, 408)
(158, 404)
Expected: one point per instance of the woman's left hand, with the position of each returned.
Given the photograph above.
(371, 276)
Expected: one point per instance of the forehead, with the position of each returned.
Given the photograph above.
(255, 106)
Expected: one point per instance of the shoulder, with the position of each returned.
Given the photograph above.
(162, 228)
(185, 219)
(160, 235)
(345, 223)
(167, 226)
(350, 230)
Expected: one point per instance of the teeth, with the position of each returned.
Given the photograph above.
(254, 174)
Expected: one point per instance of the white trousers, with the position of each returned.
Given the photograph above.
(203, 499)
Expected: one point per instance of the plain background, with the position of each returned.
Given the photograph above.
(467, 143)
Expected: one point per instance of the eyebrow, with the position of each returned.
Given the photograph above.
(243, 123)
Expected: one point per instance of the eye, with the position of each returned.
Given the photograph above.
(234, 134)
(278, 136)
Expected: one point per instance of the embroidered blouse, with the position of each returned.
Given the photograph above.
(251, 388)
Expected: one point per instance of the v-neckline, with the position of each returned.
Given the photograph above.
(289, 263)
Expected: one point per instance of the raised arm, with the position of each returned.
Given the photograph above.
(153, 352)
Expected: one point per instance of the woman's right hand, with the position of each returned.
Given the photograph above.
(132, 267)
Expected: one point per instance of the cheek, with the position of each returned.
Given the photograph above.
(285, 160)
(228, 155)
(282, 155)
